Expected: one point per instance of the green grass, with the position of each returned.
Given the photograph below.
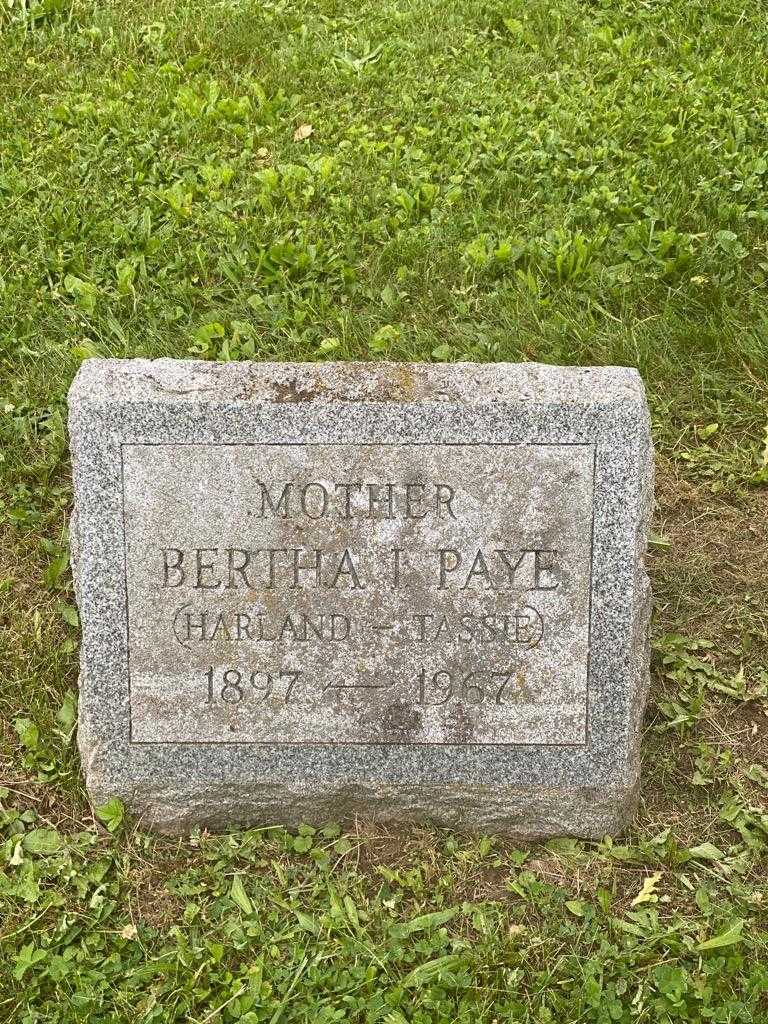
(567, 181)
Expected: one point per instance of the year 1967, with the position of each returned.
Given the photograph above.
(429, 689)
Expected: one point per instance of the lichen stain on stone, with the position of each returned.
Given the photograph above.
(397, 384)
(291, 391)
(354, 382)
(401, 721)
(298, 383)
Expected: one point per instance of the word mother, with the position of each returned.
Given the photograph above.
(355, 499)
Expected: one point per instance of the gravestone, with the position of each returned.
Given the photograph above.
(310, 592)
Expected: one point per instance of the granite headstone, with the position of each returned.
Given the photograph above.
(399, 592)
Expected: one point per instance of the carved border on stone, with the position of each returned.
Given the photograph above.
(365, 743)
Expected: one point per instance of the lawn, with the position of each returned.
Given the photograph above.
(570, 181)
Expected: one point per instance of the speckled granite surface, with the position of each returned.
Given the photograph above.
(392, 591)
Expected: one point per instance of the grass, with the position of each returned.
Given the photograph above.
(567, 181)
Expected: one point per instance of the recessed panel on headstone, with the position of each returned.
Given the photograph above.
(348, 593)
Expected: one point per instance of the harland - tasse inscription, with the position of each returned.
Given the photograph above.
(332, 594)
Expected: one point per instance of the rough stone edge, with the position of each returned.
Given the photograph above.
(642, 598)
(181, 382)
(517, 813)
